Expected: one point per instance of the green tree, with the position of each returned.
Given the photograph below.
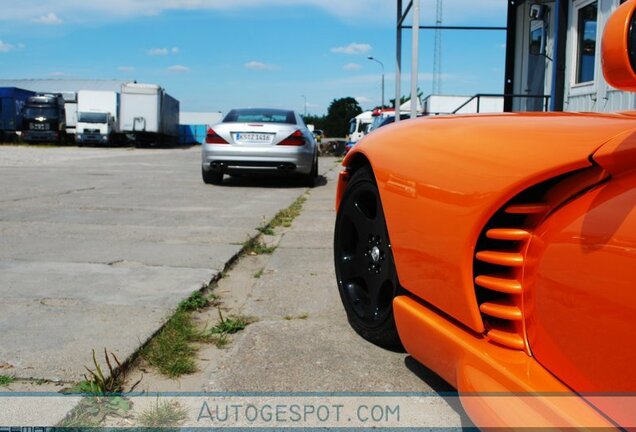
(338, 115)
(317, 121)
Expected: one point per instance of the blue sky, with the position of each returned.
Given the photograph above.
(214, 55)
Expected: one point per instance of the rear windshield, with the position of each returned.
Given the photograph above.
(258, 115)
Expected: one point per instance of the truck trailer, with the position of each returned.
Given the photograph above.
(44, 119)
(148, 115)
(70, 109)
(12, 102)
(97, 117)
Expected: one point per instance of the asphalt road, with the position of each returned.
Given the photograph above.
(98, 246)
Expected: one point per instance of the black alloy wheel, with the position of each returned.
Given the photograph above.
(365, 270)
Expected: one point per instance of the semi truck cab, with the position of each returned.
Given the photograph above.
(44, 119)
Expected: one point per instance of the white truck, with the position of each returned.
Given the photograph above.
(97, 117)
(149, 115)
(358, 127)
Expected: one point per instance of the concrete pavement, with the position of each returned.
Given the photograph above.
(98, 246)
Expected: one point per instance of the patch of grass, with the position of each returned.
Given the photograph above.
(254, 246)
(296, 317)
(40, 381)
(197, 301)
(286, 216)
(266, 230)
(220, 340)
(5, 380)
(219, 334)
(231, 325)
(171, 350)
(163, 414)
(259, 273)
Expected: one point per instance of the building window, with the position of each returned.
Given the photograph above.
(586, 56)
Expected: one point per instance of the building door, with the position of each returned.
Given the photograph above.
(536, 66)
(534, 46)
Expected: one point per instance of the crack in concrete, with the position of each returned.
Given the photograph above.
(68, 192)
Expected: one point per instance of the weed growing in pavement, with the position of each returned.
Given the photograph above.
(5, 380)
(218, 334)
(266, 230)
(102, 400)
(259, 273)
(230, 325)
(171, 350)
(254, 246)
(286, 216)
(163, 414)
(98, 383)
(197, 301)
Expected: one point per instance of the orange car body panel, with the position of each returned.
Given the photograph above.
(498, 387)
(581, 291)
(454, 173)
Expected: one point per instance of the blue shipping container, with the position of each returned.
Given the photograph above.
(192, 134)
(12, 101)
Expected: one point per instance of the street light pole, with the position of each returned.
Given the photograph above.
(381, 64)
(305, 97)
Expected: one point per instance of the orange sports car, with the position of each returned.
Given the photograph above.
(500, 251)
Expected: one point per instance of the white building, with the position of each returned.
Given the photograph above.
(553, 49)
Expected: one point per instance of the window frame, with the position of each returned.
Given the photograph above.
(578, 5)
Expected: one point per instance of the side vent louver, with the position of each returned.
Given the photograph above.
(501, 253)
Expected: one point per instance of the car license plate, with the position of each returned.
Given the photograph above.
(39, 126)
(252, 137)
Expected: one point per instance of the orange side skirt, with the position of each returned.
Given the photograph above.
(498, 386)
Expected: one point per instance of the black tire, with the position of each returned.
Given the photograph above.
(310, 179)
(212, 177)
(365, 269)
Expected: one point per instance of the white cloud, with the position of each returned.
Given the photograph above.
(5, 47)
(178, 69)
(58, 74)
(352, 66)
(362, 99)
(48, 19)
(256, 65)
(163, 51)
(352, 48)
(125, 69)
(158, 51)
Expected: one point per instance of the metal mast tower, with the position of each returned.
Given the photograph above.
(437, 60)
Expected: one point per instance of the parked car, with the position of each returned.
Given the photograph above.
(259, 141)
(500, 250)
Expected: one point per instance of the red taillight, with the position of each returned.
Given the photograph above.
(295, 139)
(214, 138)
